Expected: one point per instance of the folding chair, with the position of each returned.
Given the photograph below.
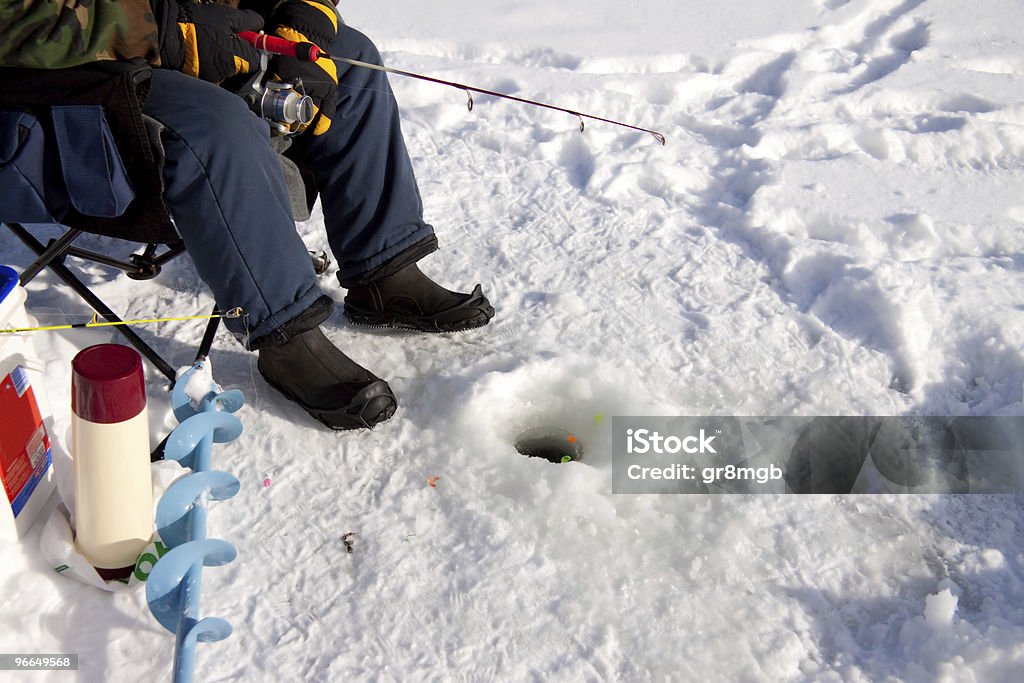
(70, 164)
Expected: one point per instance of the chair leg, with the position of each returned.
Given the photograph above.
(69, 278)
(211, 332)
(55, 250)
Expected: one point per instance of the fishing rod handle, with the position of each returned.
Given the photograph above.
(305, 52)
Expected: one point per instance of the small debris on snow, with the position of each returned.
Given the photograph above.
(349, 541)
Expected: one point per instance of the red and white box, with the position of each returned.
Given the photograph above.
(26, 458)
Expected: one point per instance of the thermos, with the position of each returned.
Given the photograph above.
(110, 447)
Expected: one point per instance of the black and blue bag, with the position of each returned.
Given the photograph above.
(74, 164)
(75, 149)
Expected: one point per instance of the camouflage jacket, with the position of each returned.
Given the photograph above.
(51, 34)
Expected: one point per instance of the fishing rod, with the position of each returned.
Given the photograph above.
(308, 52)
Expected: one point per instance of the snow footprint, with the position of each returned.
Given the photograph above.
(887, 46)
(577, 160)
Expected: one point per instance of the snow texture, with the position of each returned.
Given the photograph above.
(834, 227)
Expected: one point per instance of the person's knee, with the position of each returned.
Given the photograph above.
(356, 45)
(203, 114)
(230, 124)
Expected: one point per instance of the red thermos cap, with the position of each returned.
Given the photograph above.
(107, 384)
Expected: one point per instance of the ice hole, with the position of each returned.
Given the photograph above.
(551, 443)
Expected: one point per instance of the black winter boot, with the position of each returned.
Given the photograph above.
(330, 386)
(410, 300)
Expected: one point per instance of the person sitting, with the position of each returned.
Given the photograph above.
(226, 192)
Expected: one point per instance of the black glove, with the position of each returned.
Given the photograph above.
(199, 39)
(308, 21)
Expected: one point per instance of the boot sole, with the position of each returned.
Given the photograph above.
(352, 416)
(382, 322)
(427, 323)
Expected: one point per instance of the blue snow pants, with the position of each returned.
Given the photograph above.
(226, 191)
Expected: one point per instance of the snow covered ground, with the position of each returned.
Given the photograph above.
(834, 227)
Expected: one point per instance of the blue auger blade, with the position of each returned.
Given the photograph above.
(229, 401)
(172, 512)
(206, 630)
(209, 630)
(163, 587)
(225, 402)
(181, 443)
(222, 401)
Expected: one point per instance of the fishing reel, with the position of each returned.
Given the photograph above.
(283, 105)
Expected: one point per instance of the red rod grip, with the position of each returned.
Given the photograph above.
(306, 52)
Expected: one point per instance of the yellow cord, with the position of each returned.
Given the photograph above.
(96, 322)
